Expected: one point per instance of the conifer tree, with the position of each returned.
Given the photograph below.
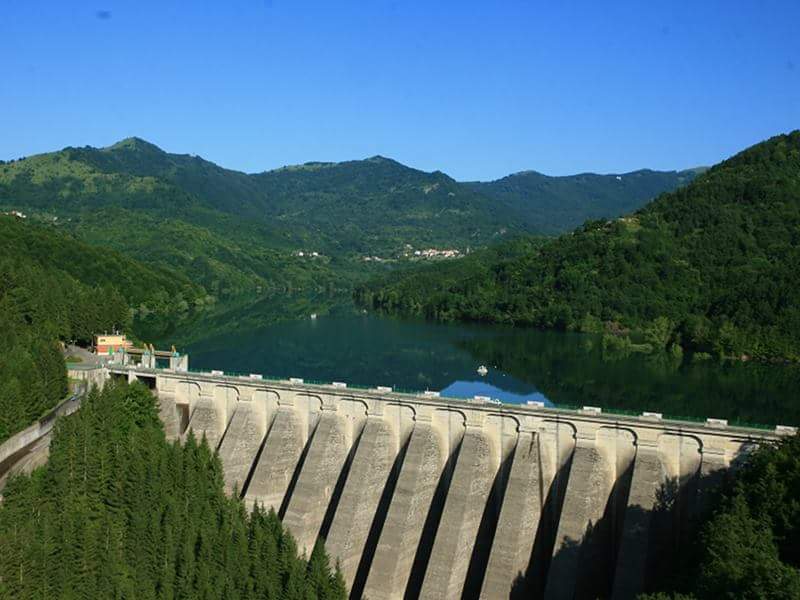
(117, 512)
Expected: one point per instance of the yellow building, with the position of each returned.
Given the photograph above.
(110, 343)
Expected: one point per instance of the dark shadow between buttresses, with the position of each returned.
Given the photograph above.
(654, 544)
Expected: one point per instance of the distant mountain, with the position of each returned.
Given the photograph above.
(373, 205)
(155, 206)
(710, 268)
(231, 231)
(378, 205)
(552, 205)
(207, 183)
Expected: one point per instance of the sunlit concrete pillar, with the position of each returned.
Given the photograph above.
(397, 546)
(473, 477)
(532, 473)
(372, 462)
(241, 443)
(278, 460)
(318, 475)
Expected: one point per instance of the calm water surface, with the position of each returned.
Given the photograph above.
(343, 344)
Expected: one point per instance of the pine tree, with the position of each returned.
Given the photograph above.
(120, 513)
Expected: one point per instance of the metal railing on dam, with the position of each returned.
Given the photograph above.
(421, 496)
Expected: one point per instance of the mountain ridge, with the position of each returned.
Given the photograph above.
(233, 231)
(556, 204)
(546, 211)
(709, 268)
(140, 143)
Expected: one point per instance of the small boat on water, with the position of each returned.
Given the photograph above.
(482, 370)
(313, 316)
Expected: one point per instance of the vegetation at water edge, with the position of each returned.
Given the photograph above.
(710, 268)
(235, 233)
(55, 289)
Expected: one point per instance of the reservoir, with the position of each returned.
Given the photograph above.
(342, 343)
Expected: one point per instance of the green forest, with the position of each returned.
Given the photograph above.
(55, 289)
(118, 512)
(748, 544)
(709, 268)
(235, 233)
(553, 205)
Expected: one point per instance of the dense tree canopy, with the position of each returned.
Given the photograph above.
(749, 543)
(553, 205)
(55, 289)
(711, 267)
(118, 512)
(234, 232)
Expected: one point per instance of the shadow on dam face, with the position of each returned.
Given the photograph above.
(574, 506)
(669, 546)
(597, 551)
(486, 531)
(531, 584)
(432, 520)
(365, 564)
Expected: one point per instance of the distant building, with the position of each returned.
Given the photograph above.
(110, 343)
(436, 253)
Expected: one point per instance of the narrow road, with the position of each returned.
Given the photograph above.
(35, 454)
(25, 460)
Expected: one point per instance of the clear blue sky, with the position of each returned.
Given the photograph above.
(475, 89)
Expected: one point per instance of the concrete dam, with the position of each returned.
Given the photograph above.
(418, 496)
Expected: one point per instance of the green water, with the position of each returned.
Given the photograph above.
(279, 337)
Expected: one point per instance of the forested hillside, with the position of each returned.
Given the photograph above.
(117, 512)
(552, 205)
(710, 268)
(155, 288)
(232, 232)
(54, 288)
(377, 205)
(127, 197)
(747, 545)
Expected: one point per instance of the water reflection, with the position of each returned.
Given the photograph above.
(470, 389)
(343, 344)
(572, 369)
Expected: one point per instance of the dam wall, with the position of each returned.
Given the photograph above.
(418, 496)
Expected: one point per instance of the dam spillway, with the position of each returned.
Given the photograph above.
(417, 496)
